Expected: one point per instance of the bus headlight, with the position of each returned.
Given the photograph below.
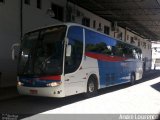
(19, 83)
(53, 84)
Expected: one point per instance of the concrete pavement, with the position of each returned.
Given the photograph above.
(8, 93)
(142, 98)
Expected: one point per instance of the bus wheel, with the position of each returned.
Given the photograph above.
(132, 79)
(92, 86)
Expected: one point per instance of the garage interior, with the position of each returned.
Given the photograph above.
(138, 19)
(142, 16)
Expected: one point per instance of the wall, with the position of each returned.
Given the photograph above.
(34, 18)
(9, 34)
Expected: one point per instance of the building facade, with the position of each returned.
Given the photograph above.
(21, 16)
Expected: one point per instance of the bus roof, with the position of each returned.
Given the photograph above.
(75, 24)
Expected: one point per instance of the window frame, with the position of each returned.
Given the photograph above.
(58, 11)
(94, 24)
(106, 30)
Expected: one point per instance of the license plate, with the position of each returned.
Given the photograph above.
(34, 92)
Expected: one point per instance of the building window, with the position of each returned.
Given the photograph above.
(132, 40)
(27, 2)
(39, 4)
(100, 27)
(58, 12)
(86, 22)
(139, 43)
(94, 24)
(73, 18)
(149, 47)
(127, 37)
(1, 1)
(106, 30)
(120, 35)
(144, 44)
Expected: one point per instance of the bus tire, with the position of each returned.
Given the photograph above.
(92, 86)
(132, 79)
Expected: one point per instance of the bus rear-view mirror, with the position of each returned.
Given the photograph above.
(15, 49)
(68, 50)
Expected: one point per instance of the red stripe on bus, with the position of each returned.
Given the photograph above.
(58, 78)
(105, 57)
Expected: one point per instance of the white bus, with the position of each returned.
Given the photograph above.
(69, 59)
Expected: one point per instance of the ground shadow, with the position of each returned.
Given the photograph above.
(156, 86)
(149, 75)
(26, 106)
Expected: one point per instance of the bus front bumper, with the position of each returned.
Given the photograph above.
(42, 91)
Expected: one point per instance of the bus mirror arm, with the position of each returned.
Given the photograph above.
(13, 50)
(68, 50)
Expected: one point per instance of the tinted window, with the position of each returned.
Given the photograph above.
(96, 42)
(99, 43)
(75, 36)
(42, 52)
(126, 50)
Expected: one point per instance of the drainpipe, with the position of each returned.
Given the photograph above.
(66, 13)
(125, 39)
(21, 19)
(0, 79)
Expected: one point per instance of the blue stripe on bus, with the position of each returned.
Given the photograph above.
(111, 73)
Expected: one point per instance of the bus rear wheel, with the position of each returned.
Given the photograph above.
(92, 87)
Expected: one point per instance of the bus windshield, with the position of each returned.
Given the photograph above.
(42, 52)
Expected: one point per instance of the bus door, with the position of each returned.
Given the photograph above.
(74, 82)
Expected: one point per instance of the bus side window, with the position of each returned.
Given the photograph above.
(139, 53)
(119, 49)
(109, 50)
(130, 52)
(134, 54)
(98, 43)
(127, 51)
